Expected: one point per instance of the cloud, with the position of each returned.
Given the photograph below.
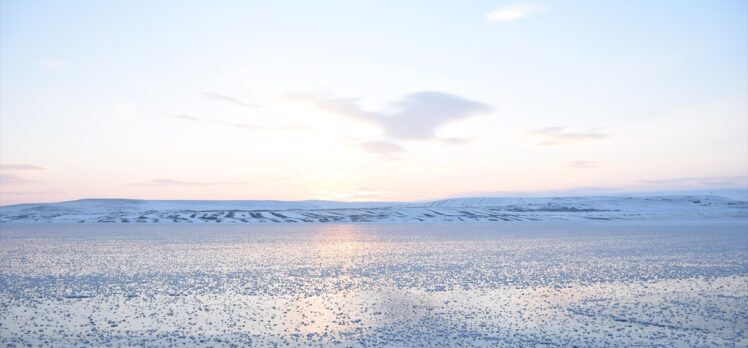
(383, 148)
(189, 118)
(515, 12)
(708, 181)
(228, 100)
(31, 193)
(20, 167)
(12, 179)
(243, 126)
(416, 116)
(421, 114)
(582, 164)
(173, 182)
(342, 106)
(557, 136)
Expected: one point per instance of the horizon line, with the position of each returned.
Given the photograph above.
(570, 193)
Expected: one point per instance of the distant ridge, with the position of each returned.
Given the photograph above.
(740, 194)
(316, 211)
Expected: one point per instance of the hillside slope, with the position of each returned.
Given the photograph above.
(448, 210)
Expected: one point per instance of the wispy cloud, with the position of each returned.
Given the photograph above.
(416, 116)
(515, 12)
(189, 118)
(173, 182)
(32, 193)
(228, 99)
(582, 164)
(12, 179)
(244, 126)
(557, 136)
(20, 167)
(707, 181)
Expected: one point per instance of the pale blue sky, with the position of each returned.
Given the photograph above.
(256, 100)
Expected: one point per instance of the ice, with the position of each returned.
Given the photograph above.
(516, 283)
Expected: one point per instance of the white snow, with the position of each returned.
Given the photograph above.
(566, 271)
(449, 210)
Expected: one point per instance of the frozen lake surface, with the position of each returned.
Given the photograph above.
(560, 283)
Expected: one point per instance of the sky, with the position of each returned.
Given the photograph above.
(369, 100)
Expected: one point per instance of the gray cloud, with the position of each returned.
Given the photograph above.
(228, 100)
(582, 164)
(557, 136)
(173, 182)
(20, 167)
(416, 116)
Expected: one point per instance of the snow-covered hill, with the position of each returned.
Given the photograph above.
(458, 209)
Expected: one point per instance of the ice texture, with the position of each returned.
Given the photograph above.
(518, 283)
